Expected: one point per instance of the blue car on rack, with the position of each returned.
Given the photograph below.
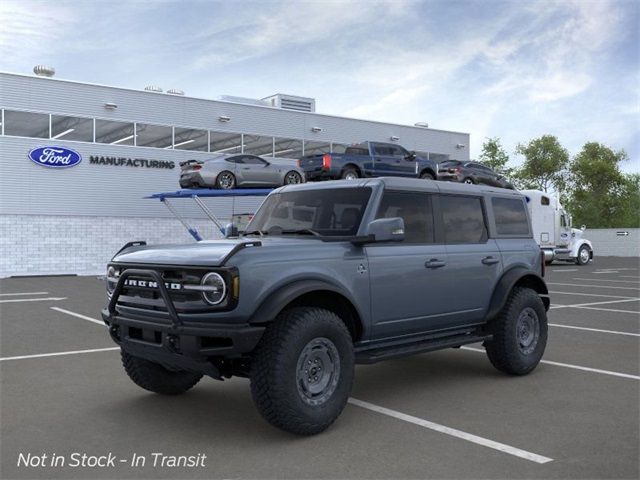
(368, 159)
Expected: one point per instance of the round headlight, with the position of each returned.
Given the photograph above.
(112, 279)
(215, 288)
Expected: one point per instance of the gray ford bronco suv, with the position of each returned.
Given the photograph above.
(326, 276)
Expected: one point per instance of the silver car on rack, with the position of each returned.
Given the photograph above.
(240, 170)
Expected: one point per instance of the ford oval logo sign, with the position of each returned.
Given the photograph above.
(55, 157)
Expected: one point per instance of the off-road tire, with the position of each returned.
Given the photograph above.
(427, 176)
(156, 378)
(579, 260)
(349, 173)
(504, 350)
(275, 385)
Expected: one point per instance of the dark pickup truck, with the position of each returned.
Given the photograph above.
(368, 159)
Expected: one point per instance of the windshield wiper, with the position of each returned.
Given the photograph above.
(302, 231)
(254, 232)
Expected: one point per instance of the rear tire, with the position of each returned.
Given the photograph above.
(469, 181)
(302, 371)
(349, 173)
(156, 378)
(584, 255)
(225, 180)
(292, 178)
(519, 333)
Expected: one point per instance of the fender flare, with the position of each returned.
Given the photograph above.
(285, 294)
(508, 281)
(580, 243)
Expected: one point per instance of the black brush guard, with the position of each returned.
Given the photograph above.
(180, 346)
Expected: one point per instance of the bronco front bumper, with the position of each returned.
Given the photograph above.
(168, 340)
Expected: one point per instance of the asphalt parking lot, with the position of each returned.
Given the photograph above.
(446, 414)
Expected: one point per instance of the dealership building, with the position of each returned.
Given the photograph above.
(127, 144)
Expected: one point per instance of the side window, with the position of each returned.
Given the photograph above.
(382, 149)
(251, 160)
(510, 215)
(463, 219)
(415, 209)
(235, 160)
(398, 151)
(544, 200)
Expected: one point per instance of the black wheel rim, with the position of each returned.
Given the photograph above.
(292, 178)
(226, 181)
(528, 330)
(318, 371)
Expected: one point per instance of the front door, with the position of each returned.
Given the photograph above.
(409, 279)
(255, 171)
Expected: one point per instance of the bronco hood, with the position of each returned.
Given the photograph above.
(213, 253)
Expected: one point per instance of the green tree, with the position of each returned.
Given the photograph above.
(494, 156)
(601, 196)
(545, 164)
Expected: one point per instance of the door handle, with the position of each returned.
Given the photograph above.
(434, 263)
(490, 260)
(246, 168)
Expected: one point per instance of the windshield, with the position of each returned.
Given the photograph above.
(324, 212)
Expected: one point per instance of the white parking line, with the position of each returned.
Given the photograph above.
(485, 442)
(598, 330)
(74, 314)
(594, 286)
(568, 365)
(629, 276)
(50, 299)
(633, 312)
(587, 294)
(56, 354)
(569, 270)
(595, 303)
(605, 272)
(607, 280)
(23, 293)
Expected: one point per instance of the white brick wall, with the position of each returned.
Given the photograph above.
(46, 245)
(606, 242)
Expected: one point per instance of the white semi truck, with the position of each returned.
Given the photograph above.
(552, 230)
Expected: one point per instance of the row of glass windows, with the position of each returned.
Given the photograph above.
(80, 129)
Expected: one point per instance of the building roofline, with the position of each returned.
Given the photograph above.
(148, 92)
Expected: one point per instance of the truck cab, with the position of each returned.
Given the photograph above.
(553, 231)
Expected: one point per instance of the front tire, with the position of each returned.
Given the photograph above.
(468, 181)
(225, 180)
(302, 371)
(584, 255)
(427, 176)
(519, 333)
(156, 378)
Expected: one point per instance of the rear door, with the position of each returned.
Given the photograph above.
(409, 279)
(474, 260)
(383, 159)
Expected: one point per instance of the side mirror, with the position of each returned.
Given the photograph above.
(230, 230)
(385, 230)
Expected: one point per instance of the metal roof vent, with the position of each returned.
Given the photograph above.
(153, 88)
(292, 102)
(44, 71)
(175, 91)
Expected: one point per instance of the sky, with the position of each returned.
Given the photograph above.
(509, 69)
